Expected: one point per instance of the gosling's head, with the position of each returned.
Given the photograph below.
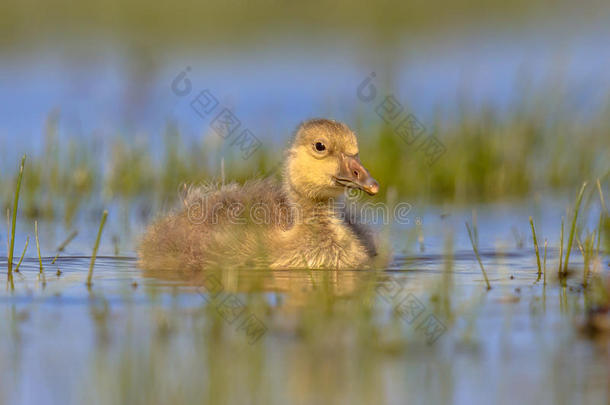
(323, 160)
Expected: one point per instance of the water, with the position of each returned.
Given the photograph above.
(320, 334)
(299, 336)
(273, 87)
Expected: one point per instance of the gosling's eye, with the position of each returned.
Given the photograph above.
(320, 147)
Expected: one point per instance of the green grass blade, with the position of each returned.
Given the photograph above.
(560, 248)
(546, 242)
(27, 242)
(14, 220)
(475, 227)
(584, 255)
(601, 216)
(476, 252)
(41, 274)
(95, 248)
(8, 230)
(536, 247)
(601, 195)
(64, 244)
(573, 227)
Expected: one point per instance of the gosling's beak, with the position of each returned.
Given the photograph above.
(353, 174)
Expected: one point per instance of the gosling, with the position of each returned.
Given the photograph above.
(301, 223)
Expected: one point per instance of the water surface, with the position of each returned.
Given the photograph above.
(260, 336)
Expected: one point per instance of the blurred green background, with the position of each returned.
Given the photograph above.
(99, 94)
(517, 93)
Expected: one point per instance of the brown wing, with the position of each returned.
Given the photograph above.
(216, 224)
